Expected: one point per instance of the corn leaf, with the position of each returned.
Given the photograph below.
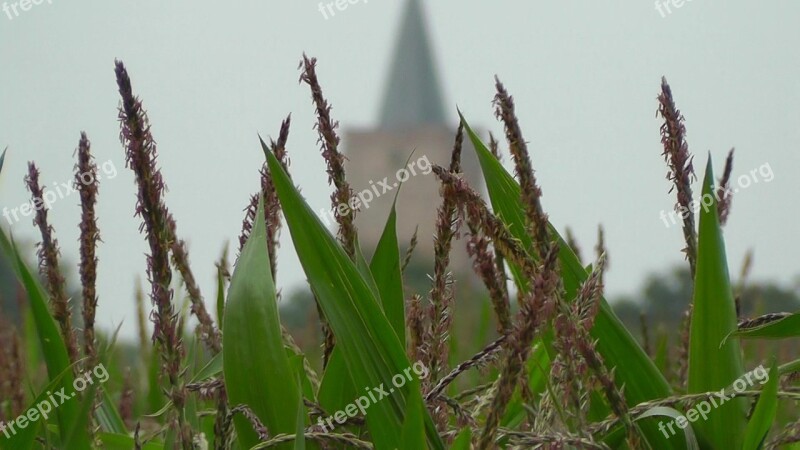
(414, 428)
(674, 414)
(79, 430)
(297, 362)
(25, 438)
(764, 414)
(711, 366)
(641, 379)
(106, 414)
(108, 417)
(463, 440)
(115, 441)
(255, 364)
(336, 387)
(300, 420)
(212, 368)
(52, 344)
(787, 327)
(363, 269)
(155, 395)
(371, 349)
(538, 375)
(385, 267)
(220, 297)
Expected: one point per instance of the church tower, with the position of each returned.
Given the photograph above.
(413, 117)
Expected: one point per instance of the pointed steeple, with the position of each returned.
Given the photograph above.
(412, 96)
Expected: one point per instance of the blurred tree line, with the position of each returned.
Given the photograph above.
(659, 306)
(664, 298)
(9, 291)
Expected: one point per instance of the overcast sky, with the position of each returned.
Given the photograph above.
(585, 76)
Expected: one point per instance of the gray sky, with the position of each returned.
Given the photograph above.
(585, 76)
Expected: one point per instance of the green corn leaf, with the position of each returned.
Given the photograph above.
(79, 431)
(790, 367)
(463, 440)
(370, 348)
(25, 438)
(363, 269)
(53, 348)
(171, 439)
(116, 441)
(106, 413)
(764, 415)
(336, 387)
(385, 268)
(255, 364)
(414, 428)
(297, 362)
(211, 369)
(787, 327)
(300, 426)
(674, 415)
(108, 417)
(538, 375)
(155, 396)
(190, 407)
(711, 366)
(220, 297)
(641, 379)
(30, 336)
(662, 352)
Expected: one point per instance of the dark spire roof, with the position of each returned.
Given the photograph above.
(413, 96)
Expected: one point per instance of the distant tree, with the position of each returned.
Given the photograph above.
(9, 291)
(664, 298)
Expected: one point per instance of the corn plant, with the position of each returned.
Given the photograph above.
(562, 371)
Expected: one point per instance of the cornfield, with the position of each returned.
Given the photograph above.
(562, 372)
